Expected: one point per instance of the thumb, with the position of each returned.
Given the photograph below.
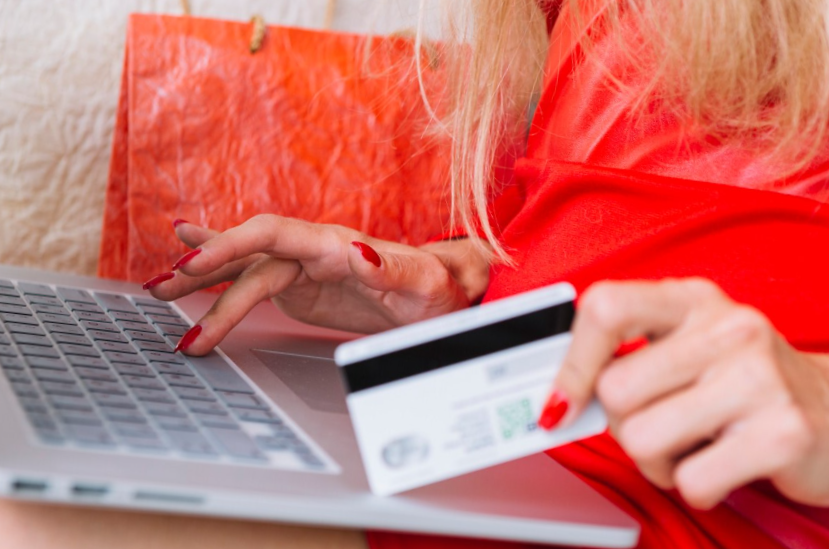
(417, 273)
(193, 235)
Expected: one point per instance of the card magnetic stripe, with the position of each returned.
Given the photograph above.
(451, 350)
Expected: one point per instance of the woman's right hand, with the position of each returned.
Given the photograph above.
(326, 275)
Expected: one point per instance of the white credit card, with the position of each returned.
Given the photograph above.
(461, 392)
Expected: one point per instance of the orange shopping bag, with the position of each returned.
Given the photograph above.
(322, 126)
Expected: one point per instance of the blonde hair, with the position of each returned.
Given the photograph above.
(754, 71)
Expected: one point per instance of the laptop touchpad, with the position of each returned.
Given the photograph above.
(315, 380)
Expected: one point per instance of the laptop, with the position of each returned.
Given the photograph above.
(96, 410)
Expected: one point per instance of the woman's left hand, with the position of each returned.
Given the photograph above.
(716, 400)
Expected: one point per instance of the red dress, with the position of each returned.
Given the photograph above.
(602, 196)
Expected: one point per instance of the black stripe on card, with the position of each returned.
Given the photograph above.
(456, 348)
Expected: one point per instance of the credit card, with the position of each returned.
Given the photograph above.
(461, 392)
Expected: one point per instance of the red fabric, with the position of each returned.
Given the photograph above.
(610, 196)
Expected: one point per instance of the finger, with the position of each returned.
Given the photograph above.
(658, 435)
(418, 275)
(754, 449)
(264, 278)
(276, 236)
(194, 235)
(173, 285)
(610, 313)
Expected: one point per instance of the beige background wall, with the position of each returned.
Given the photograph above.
(60, 64)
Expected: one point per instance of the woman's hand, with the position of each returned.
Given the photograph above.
(716, 400)
(321, 274)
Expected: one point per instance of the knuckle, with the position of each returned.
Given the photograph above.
(699, 287)
(793, 436)
(695, 488)
(745, 325)
(601, 305)
(637, 439)
(613, 391)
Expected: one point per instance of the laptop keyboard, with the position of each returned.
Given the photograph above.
(96, 369)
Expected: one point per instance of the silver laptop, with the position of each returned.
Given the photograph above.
(96, 409)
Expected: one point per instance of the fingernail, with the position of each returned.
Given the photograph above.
(185, 259)
(368, 253)
(553, 411)
(177, 222)
(188, 338)
(158, 279)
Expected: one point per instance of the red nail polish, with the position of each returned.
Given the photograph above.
(368, 253)
(158, 279)
(177, 222)
(188, 338)
(185, 259)
(553, 411)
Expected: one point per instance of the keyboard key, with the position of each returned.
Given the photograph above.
(9, 292)
(257, 416)
(182, 381)
(53, 375)
(6, 283)
(18, 319)
(11, 362)
(176, 424)
(145, 336)
(8, 300)
(33, 405)
(241, 400)
(88, 362)
(150, 395)
(7, 350)
(117, 347)
(57, 319)
(37, 350)
(93, 373)
(140, 443)
(19, 376)
(79, 417)
(136, 326)
(172, 330)
(94, 317)
(133, 369)
(143, 382)
(24, 389)
(166, 319)
(17, 328)
(108, 387)
(119, 315)
(108, 400)
(79, 350)
(144, 302)
(100, 326)
(193, 443)
(64, 402)
(73, 294)
(43, 308)
(163, 357)
(134, 430)
(71, 339)
(160, 409)
(100, 335)
(272, 443)
(43, 300)
(41, 420)
(212, 408)
(65, 389)
(29, 288)
(29, 339)
(161, 347)
(169, 368)
(115, 356)
(223, 422)
(88, 307)
(14, 309)
(91, 435)
(124, 416)
(63, 328)
(219, 374)
(115, 302)
(4, 339)
(47, 363)
(236, 443)
(194, 394)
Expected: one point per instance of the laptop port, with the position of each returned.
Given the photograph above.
(28, 486)
(89, 490)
